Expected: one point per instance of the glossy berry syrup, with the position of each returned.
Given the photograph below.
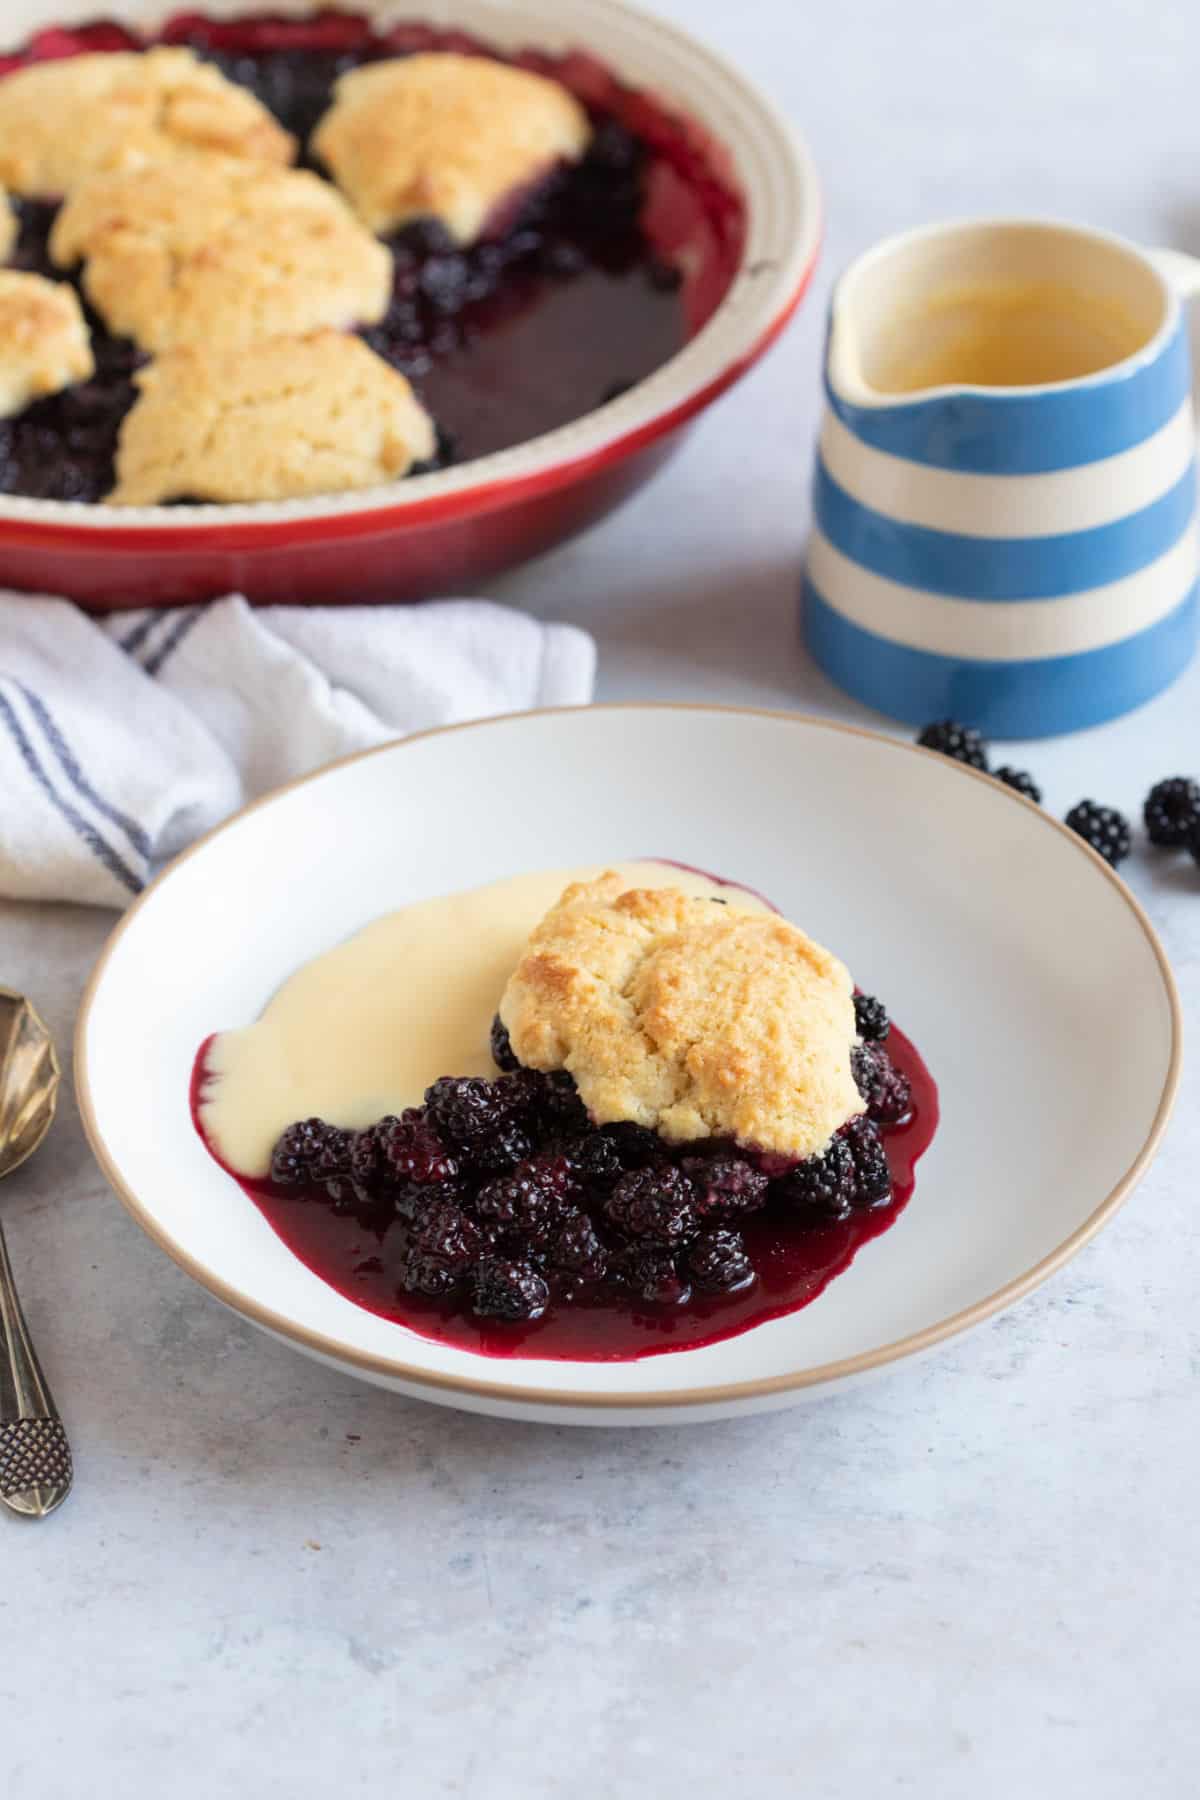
(606, 272)
(795, 1261)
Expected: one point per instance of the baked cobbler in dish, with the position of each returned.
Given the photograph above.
(518, 237)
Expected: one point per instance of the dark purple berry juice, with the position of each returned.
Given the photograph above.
(581, 299)
(794, 1259)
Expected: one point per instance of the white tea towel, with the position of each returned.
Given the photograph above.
(124, 738)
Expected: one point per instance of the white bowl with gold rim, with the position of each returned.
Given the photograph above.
(1003, 945)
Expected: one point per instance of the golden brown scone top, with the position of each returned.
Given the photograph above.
(61, 121)
(215, 250)
(287, 417)
(45, 345)
(692, 1019)
(445, 136)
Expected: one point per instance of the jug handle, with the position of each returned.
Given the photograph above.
(1180, 271)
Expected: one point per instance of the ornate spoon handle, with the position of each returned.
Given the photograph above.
(35, 1458)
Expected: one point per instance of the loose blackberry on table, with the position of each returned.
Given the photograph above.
(962, 743)
(1104, 828)
(1020, 781)
(1172, 812)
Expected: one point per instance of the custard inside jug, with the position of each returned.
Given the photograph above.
(996, 306)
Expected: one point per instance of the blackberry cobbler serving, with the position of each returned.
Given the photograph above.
(681, 1121)
(260, 259)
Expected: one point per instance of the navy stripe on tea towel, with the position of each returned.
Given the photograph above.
(133, 640)
(75, 775)
(103, 852)
(154, 662)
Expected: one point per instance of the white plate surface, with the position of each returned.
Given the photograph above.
(1023, 969)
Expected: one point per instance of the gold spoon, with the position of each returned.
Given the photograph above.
(35, 1458)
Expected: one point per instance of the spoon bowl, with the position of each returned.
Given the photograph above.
(35, 1458)
(29, 1080)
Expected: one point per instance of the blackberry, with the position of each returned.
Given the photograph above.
(298, 1149)
(525, 1091)
(420, 1274)
(315, 1154)
(509, 1290)
(1104, 828)
(873, 1178)
(422, 237)
(527, 1202)
(330, 1164)
(592, 1160)
(826, 1185)
(464, 1110)
(559, 1106)
(653, 1273)
(447, 1235)
(960, 742)
(654, 1205)
(636, 1146)
(870, 1018)
(1172, 811)
(502, 1050)
(506, 1147)
(575, 1248)
(614, 147)
(409, 1152)
(1021, 782)
(561, 258)
(725, 1187)
(366, 1168)
(448, 282)
(718, 1262)
(887, 1092)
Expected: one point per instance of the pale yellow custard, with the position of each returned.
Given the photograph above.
(363, 1029)
(1002, 334)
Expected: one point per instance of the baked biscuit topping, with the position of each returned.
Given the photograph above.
(286, 417)
(60, 121)
(44, 341)
(445, 136)
(213, 250)
(692, 1019)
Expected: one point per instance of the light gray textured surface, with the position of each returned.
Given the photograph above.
(974, 1577)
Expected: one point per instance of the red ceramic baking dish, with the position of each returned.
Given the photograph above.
(733, 203)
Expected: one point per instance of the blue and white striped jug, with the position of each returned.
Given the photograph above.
(1005, 498)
